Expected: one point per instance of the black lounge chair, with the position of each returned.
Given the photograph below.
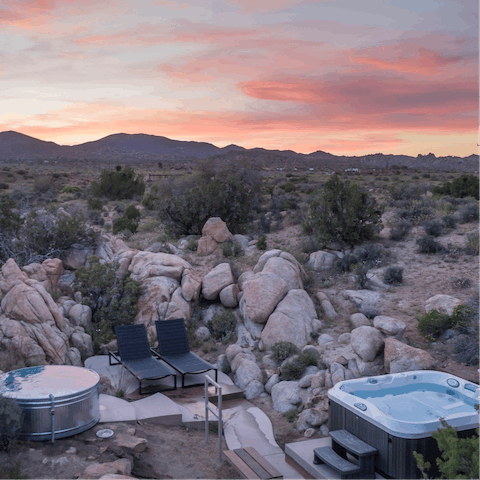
(173, 349)
(135, 355)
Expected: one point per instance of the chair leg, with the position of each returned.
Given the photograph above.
(216, 376)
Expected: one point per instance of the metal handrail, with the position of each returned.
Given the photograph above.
(219, 416)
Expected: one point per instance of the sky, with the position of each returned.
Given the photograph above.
(347, 77)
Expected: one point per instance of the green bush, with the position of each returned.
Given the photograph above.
(371, 254)
(466, 345)
(449, 221)
(433, 228)
(400, 230)
(186, 204)
(346, 263)
(433, 324)
(459, 456)
(468, 213)
(282, 350)
(464, 186)
(150, 201)
(10, 422)
(70, 189)
(223, 326)
(427, 244)
(308, 358)
(288, 187)
(118, 184)
(129, 221)
(12, 472)
(113, 300)
(393, 275)
(293, 369)
(231, 248)
(94, 203)
(342, 212)
(471, 244)
(42, 184)
(4, 186)
(262, 242)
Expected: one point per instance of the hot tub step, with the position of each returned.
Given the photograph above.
(339, 464)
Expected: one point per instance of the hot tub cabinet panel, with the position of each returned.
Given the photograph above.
(395, 448)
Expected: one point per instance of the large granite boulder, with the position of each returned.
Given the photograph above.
(261, 295)
(291, 321)
(216, 228)
(442, 303)
(147, 264)
(54, 270)
(389, 327)
(366, 342)
(10, 275)
(321, 260)
(216, 280)
(286, 396)
(399, 357)
(286, 270)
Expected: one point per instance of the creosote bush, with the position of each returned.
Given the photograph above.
(113, 301)
(400, 230)
(433, 228)
(231, 248)
(223, 326)
(427, 244)
(262, 242)
(393, 275)
(94, 203)
(471, 244)
(282, 350)
(128, 221)
(465, 185)
(118, 184)
(468, 213)
(343, 212)
(294, 368)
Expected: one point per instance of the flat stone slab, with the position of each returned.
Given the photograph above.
(157, 408)
(113, 409)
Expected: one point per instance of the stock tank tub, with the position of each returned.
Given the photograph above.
(70, 393)
(398, 413)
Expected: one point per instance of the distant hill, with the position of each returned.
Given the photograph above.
(139, 148)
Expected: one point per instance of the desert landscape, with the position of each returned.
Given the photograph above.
(160, 254)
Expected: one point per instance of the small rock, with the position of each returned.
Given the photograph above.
(71, 450)
(202, 333)
(344, 338)
(359, 320)
(325, 338)
(324, 430)
(309, 432)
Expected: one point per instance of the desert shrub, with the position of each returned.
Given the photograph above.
(464, 186)
(231, 248)
(468, 213)
(223, 326)
(471, 244)
(465, 319)
(4, 186)
(400, 230)
(288, 187)
(427, 244)
(393, 275)
(293, 369)
(118, 184)
(262, 242)
(12, 472)
(403, 191)
(150, 201)
(192, 244)
(361, 278)
(70, 189)
(433, 228)
(371, 254)
(461, 282)
(310, 244)
(94, 203)
(449, 221)
(291, 415)
(415, 212)
(10, 422)
(42, 184)
(459, 456)
(128, 222)
(95, 218)
(113, 300)
(308, 358)
(343, 212)
(346, 263)
(282, 350)
(433, 324)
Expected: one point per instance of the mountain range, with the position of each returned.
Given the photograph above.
(139, 148)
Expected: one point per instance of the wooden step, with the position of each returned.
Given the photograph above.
(335, 461)
(352, 444)
(250, 464)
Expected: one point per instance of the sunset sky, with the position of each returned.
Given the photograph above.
(349, 77)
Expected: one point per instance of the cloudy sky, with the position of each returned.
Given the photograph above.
(348, 77)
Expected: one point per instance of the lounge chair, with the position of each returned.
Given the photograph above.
(173, 349)
(135, 355)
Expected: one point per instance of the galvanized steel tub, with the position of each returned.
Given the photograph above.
(56, 400)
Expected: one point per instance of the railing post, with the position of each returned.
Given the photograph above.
(208, 380)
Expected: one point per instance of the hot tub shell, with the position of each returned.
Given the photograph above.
(396, 440)
(70, 393)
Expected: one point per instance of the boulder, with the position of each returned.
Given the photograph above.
(254, 389)
(73, 357)
(83, 343)
(246, 372)
(216, 280)
(366, 342)
(222, 364)
(37, 272)
(321, 260)
(442, 303)
(228, 296)
(147, 264)
(273, 380)
(264, 258)
(216, 228)
(178, 307)
(122, 466)
(285, 396)
(80, 315)
(202, 333)
(52, 341)
(327, 307)
(399, 357)
(191, 285)
(345, 338)
(66, 283)
(313, 417)
(206, 246)
(389, 327)
(241, 357)
(244, 277)
(261, 295)
(10, 276)
(76, 256)
(65, 304)
(306, 381)
(129, 443)
(359, 320)
(363, 298)
(369, 369)
(325, 338)
(318, 380)
(286, 270)
(291, 321)
(232, 351)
